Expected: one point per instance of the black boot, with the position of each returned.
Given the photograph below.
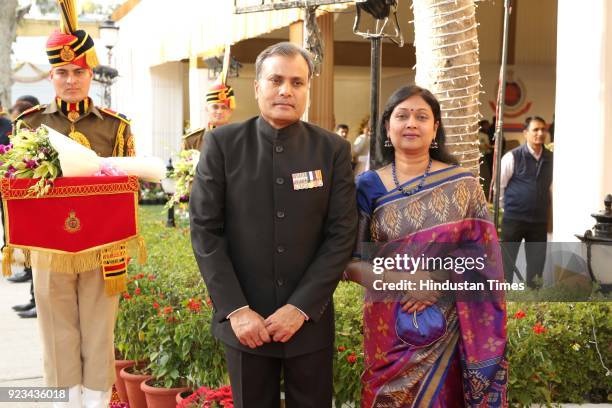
(24, 307)
(28, 313)
(25, 276)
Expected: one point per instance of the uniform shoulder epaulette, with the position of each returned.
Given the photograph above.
(117, 115)
(33, 109)
(193, 132)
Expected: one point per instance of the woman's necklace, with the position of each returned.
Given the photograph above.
(414, 189)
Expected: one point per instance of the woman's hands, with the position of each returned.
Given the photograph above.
(418, 300)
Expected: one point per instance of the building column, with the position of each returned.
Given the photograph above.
(583, 115)
(321, 99)
(321, 110)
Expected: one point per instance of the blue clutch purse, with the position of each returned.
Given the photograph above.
(420, 329)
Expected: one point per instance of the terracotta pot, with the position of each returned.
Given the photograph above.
(180, 396)
(136, 397)
(119, 383)
(158, 397)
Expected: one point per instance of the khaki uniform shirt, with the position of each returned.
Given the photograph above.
(107, 133)
(193, 140)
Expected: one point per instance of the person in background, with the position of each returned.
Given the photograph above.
(342, 130)
(220, 104)
(526, 197)
(361, 148)
(25, 310)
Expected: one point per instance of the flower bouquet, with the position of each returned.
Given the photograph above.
(31, 155)
(183, 174)
(209, 398)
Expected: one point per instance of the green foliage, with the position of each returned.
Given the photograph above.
(560, 363)
(135, 313)
(348, 361)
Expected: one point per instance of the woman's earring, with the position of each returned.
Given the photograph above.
(434, 144)
(388, 142)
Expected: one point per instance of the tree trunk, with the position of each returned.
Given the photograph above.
(446, 44)
(8, 20)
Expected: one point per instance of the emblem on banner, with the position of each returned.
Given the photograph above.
(72, 223)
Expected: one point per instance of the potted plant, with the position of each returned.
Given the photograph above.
(169, 357)
(137, 306)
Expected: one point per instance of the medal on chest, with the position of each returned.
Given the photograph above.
(307, 179)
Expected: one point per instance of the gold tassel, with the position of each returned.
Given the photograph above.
(7, 260)
(115, 286)
(71, 263)
(28, 258)
(114, 261)
(142, 251)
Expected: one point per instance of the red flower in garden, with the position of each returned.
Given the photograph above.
(341, 348)
(167, 309)
(140, 276)
(209, 301)
(151, 277)
(209, 398)
(137, 291)
(519, 314)
(351, 358)
(538, 328)
(127, 296)
(194, 306)
(155, 305)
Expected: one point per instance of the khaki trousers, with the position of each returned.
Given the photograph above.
(76, 321)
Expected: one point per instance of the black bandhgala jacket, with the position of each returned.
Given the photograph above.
(260, 242)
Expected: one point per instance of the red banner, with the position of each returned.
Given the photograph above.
(77, 214)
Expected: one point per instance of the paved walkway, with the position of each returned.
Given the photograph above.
(20, 349)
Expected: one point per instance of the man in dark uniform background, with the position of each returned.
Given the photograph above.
(273, 223)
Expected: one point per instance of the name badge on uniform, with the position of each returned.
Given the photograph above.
(307, 179)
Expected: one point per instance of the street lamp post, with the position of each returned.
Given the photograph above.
(169, 187)
(109, 34)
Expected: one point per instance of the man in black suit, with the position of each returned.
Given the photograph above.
(273, 223)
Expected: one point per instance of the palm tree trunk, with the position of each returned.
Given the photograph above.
(8, 20)
(446, 44)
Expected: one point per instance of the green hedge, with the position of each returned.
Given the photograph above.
(560, 363)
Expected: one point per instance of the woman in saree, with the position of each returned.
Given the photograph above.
(421, 204)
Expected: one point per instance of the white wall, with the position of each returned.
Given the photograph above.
(167, 104)
(583, 134)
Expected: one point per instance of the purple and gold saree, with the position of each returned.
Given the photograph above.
(467, 366)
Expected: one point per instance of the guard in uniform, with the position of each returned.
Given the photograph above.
(220, 104)
(76, 317)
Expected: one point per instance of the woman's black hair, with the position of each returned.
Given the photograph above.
(441, 153)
